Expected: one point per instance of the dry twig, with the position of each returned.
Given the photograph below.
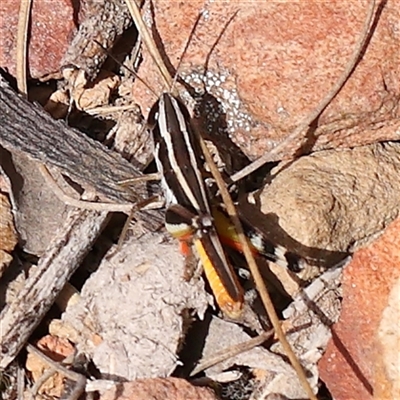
(22, 45)
(57, 367)
(63, 256)
(231, 351)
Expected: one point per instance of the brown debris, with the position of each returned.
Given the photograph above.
(57, 349)
(8, 235)
(99, 92)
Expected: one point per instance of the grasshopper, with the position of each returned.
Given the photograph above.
(190, 214)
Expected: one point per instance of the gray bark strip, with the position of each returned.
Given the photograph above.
(29, 129)
(104, 21)
(63, 256)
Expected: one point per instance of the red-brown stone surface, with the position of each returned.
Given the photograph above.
(158, 389)
(281, 59)
(51, 24)
(358, 363)
(270, 69)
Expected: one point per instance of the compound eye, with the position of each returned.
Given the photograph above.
(206, 221)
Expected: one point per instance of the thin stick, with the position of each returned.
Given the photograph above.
(47, 375)
(155, 176)
(258, 280)
(110, 109)
(78, 378)
(20, 382)
(22, 45)
(323, 104)
(86, 205)
(149, 41)
(231, 351)
(70, 244)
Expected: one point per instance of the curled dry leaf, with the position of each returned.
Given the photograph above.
(85, 95)
(99, 92)
(58, 103)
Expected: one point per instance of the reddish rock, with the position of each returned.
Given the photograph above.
(51, 25)
(276, 61)
(361, 361)
(158, 389)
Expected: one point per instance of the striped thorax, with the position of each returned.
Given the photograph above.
(178, 158)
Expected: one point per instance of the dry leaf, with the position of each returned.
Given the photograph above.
(57, 349)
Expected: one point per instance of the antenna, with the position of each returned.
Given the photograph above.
(148, 40)
(207, 61)
(227, 23)
(127, 68)
(185, 50)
